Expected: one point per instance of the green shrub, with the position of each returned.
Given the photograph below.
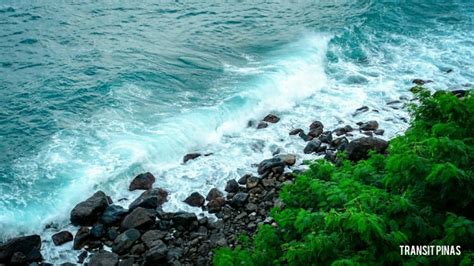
(359, 214)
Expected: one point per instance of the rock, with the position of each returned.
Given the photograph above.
(139, 218)
(314, 133)
(379, 132)
(81, 238)
(157, 254)
(82, 257)
(142, 181)
(262, 125)
(340, 143)
(232, 186)
(343, 130)
(296, 131)
(87, 212)
(359, 149)
(360, 110)
(184, 219)
(252, 182)
(288, 159)
(368, 133)
(113, 214)
(274, 165)
(97, 231)
(420, 81)
(312, 146)
(243, 179)
(190, 156)
(125, 241)
(271, 118)
(459, 93)
(218, 240)
(239, 200)
(303, 136)
(126, 262)
(174, 254)
(62, 237)
(150, 238)
(138, 249)
(112, 233)
(315, 125)
(370, 125)
(104, 258)
(326, 137)
(215, 205)
(150, 199)
(330, 157)
(18, 258)
(214, 193)
(195, 200)
(22, 249)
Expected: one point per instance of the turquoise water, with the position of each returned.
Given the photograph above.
(93, 93)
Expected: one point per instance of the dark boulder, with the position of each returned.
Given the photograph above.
(81, 238)
(459, 93)
(239, 200)
(315, 125)
(150, 238)
(420, 81)
(262, 125)
(379, 132)
(218, 240)
(343, 130)
(24, 249)
(359, 149)
(326, 137)
(142, 181)
(360, 110)
(296, 131)
(232, 186)
(125, 241)
(370, 125)
(215, 205)
(62, 237)
(139, 218)
(314, 133)
(312, 146)
(150, 199)
(252, 182)
(340, 143)
(104, 258)
(157, 254)
(287, 159)
(214, 193)
(303, 136)
(113, 215)
(87, 212)
(243, 179)
(271, 118)
(97, 231)
(273, 165)
(195, 200)
(184, 219)
(190, 156)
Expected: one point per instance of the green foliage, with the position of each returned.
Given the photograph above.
(422, 193)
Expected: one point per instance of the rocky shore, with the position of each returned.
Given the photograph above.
(144, 234)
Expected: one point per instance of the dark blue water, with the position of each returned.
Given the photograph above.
(93, 93)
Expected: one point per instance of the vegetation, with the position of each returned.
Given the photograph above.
(360, 213)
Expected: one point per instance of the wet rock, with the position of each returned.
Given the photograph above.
(271, 118)
(125, 241)
(22, 249)
(303, 136)
(262, 125)
(87, 212)
(379, 132)
(81, 238)
(156, 254)
(312, 146)
(252, 182)
(113, 214)
(104, 258)
(112, 233)
(370, 125)
(62, 237)
(82, 257)
(150, 199)
(459, 93)
(195, 199)
(360, 110)
(218, 240)
(326, 137)
(138, 249)
(214, 193)
(215, 205)
(368, 133)
(315, 125)
(359, 149)
(420, 81)
(232, 186)
(174, 254)
(190, 156)
(127, 262)
(150, 238)
(243, 179)
(340, 143)
(287, 159)
(343, 130)
(139, 218)
(239, 200)
(314, 133)
(97, 231)
(185, 219)
(18, 258)
(274, 165)
(296, 131)
(142, 181)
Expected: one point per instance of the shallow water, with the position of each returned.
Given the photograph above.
(92, 94)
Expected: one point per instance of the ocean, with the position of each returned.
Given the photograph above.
(94, 93)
